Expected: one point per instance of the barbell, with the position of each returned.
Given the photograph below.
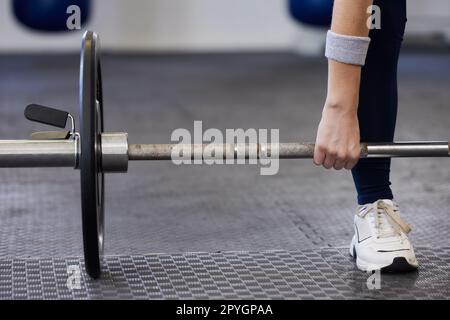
(95, 152)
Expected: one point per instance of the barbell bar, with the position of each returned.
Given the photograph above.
(116, 152)
(95, 152)
(286, 150)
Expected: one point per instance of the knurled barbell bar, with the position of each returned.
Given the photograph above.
(95, 152)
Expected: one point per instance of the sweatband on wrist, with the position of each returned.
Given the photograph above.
(346, 49)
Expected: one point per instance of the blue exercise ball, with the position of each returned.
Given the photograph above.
(312, 12)
(48, 15)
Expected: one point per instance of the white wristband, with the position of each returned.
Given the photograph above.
(347, 49)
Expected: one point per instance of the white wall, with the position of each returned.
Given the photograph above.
(166, 25)
(429, 16)
(194, 25)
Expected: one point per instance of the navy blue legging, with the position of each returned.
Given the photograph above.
(377, 110)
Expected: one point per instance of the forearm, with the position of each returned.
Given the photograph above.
(349, 18)
(343, 86)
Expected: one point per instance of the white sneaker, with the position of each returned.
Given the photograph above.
(380, 241)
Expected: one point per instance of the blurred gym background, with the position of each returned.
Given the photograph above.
(198, 25)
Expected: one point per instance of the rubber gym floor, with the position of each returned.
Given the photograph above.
(206, 232)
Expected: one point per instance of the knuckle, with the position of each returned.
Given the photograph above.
(355, 158)
(342, 155)
(318, 158)
(326, 166)
(349, 166)
(332, 152)
(318, 153)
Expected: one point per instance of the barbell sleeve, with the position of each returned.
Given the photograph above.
(285, 150)
(38, 153)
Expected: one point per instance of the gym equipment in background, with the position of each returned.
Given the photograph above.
(312, 12)
(48, 15)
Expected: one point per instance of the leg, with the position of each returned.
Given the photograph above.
(378, 100)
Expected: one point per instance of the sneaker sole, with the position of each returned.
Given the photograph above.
(398, 265)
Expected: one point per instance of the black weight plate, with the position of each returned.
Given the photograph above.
(92, 178)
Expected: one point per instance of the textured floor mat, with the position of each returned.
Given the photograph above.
(318, 274)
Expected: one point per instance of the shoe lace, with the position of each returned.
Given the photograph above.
(387, 219)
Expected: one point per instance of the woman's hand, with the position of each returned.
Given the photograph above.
(337, 142)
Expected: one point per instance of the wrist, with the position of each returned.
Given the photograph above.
(342, 107)
(343, 80)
